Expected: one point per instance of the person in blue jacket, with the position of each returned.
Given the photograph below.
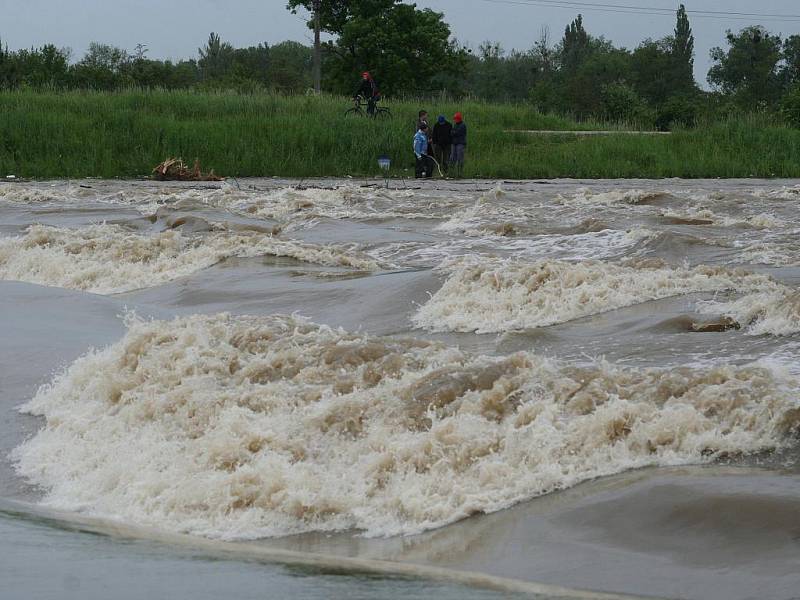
(424, 165)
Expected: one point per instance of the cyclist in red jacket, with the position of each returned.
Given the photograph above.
(368, 89)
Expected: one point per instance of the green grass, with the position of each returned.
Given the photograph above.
(125, 134)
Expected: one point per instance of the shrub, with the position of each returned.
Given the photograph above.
(677, 111)
(790, 107)
(622, 104)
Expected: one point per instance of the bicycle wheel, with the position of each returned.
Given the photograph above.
(383, 113)
(354, 112)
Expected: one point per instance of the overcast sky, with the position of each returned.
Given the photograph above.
(175, 28)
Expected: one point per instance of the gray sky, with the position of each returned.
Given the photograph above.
(176, 28)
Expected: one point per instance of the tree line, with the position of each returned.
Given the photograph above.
(578, 74)
(283, 67)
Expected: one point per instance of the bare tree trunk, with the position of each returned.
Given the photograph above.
(317, 50)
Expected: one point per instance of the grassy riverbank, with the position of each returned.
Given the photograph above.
(79, 134)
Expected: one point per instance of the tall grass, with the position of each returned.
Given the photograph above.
(124, 134)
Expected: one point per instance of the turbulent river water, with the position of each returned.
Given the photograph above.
(587, 384)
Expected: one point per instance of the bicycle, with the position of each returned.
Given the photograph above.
(361, 109)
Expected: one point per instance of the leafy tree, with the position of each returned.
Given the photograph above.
(486, 79)
(542, 51)
(748, 69)
(791, 56)
(148, 73)
(334, 14)
(682, 54)
(37, 67)
(575, 46)
(583, 90)
(290, 66)
(651, 64)
(252, 63)
(216, 58)
(664, 68)
(106, 57)
(404, 47)
(103, 67)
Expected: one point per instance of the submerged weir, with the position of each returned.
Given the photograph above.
(384, 373)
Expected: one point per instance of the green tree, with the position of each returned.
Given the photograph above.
(149, 73)
(748, 69)
(290, 66)
(583, 90)
(252, 64)
(791, 57)
(682, 54)
(404, 47)
(37, 67)
(486, 77)
(216, 58)
(106, 57)
(575, 46)
(103, 67)
(651, 64)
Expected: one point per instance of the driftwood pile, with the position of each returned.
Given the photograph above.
(174, 169)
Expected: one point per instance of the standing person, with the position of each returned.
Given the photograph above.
(459, 141)
(423, 118)
(368, 89)
(423, 165)
(442, 142)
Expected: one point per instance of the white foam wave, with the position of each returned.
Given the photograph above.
(502, 295)
(346, 202)
(707, 216)
(250, 427)
(107, 259)
(594, 245)
(282, 204)
(781, 193)
(775, 251)
(588, 197)
(775, 312)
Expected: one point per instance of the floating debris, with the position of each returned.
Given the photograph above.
(176, 169)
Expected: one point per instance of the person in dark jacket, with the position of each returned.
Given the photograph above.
(368, 90)
(442, 142)
(459, 140)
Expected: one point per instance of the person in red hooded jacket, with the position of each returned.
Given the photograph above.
(458, 139)
(368, 89)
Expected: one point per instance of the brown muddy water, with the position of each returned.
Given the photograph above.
(517, 387)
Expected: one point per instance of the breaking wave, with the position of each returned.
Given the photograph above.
(770, 313)
(345, 202)
(603, 244)
(281, 204)
(107, 259)
(706, 216)
(502, 295)
(246, 427)
(26, 195)
(588, 197)
(781, 193)
(779, 252)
